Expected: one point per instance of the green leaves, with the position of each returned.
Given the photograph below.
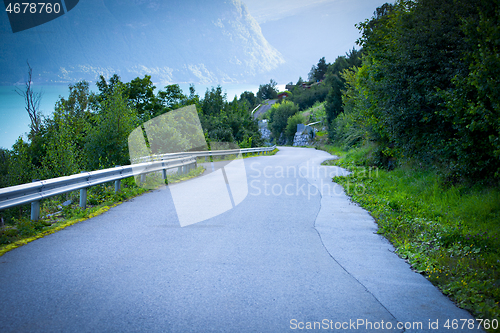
(428, 85)
(106, 144)
(291, 125)
(278, 119)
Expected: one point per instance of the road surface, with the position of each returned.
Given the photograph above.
(264, 108)
(286, 258)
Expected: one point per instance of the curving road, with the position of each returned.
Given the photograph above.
(286, 258)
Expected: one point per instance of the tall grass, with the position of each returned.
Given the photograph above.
(448, 233)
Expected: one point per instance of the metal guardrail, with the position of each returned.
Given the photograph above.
(206, 154)
(41, 189)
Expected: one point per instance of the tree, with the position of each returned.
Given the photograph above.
(318, 72)
(473, 101)
(335, 80)
(107, 141)
(249, 98)
(67, 131)
(333, 106)
(172, 98)
(278, 118)
(106, 88)
(268, 91)
(140, 93)
(32, 101)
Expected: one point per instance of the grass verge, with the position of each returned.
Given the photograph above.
(62, 211)
(448, 233)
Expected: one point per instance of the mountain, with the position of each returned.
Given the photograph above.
(214, 41)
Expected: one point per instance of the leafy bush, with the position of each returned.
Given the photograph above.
(278, 118)
(291, 127)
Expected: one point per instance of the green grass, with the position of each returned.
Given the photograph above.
(267, 153)
(450, 234)
(315, 113)
(22, 230)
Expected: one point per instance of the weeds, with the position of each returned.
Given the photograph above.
(63, 210)
(448, 233)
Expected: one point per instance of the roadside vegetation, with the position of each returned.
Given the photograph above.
(417, 123)
(447, 232)
(418, 105)
(62, 211)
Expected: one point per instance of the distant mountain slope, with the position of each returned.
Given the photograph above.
(196, 41)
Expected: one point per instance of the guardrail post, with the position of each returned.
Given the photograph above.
(143, 178)
(118, 183)
(164, 172)
(35, 210)
(179, 170)
(83, 196)
(35, 207)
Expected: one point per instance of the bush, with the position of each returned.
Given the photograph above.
(278, 119)
(291, 127)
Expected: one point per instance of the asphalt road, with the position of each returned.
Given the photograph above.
(286, 257)
(264, 107)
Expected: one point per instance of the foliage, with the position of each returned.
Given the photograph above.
(32, 101)
(425, 88)
(449, 233)
(335, 80)
(4, 167)
(140, 94)
(225, 121)
(291, 125)
(106, 144)
(473, 100)
(268, 91)
(278, 119)
(250, 100)
(307, 97)
(64, 140)
(352, 126)
(318, 71)
(318, 113)
(20, 230)
(172, 98)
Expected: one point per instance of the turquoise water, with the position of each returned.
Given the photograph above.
(14, 120)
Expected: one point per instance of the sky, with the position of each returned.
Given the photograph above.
(305, 31)
(265, 10)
